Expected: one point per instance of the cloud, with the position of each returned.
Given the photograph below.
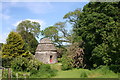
(4, 17)
(41, 22)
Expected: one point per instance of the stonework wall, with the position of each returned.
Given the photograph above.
(44, 56)
(46, 51)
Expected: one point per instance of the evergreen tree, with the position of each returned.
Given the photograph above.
(14, 47)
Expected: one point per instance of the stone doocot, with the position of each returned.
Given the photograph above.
(46, 51)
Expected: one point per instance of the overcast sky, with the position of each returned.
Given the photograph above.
(46, 13)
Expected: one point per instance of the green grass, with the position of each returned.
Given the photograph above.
(85, 73)
(0, 74)
(75, 73)
(56, 66)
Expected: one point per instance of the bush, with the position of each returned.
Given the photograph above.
(19, 64)
(24, 64)
(66, 63)
(115, 68)
(44, 71)
(33, 66)
(5, 74)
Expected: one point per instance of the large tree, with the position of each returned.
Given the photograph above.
(14, 47)
(57, 33)
(29, 26)
(29, 30)
(99, 26)
(30, 41)
(52, 33)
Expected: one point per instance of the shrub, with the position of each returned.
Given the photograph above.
(115, 68)
(66, 63)
(44, 71)
(47, 70)
(25, 64)
(5, 74)
(34, 66)
(19, 64)
(56, 66)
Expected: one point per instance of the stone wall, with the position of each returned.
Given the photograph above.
(45, 57)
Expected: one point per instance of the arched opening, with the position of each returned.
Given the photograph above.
(51, 58)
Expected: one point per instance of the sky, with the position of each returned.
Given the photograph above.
(46, 13)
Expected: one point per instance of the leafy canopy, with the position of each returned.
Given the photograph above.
(29, 26)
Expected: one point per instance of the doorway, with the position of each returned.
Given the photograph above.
(51, 58)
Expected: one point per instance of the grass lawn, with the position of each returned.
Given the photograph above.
(75, 73)
(84, 73)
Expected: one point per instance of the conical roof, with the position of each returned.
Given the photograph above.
(45, 45)
(45, 40)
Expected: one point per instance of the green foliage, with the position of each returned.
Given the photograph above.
(20, 74)
(52, 33)
(35, 68)
(56, 66)
(110, 9)
(98, 26)
(57, 33)
(85, 73)
(25, 64)
(29, 30)
(29, 26)
(5, 73)
(101, 54)
(1, 44)
(6, 62)
(103, 69)
(61, 51)
(115, 68)
(20, 64)
(73, 16)
(103, 72)
(66, 63)
(44, 71)
(14, 47)
(30, 41)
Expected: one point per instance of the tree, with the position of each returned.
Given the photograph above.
(98, 26)
(57, 33)
(76, 53)
(52, 33)
(29, 30)
(30, 41)
(29, 26)
(14, 47)
(1, 44)
(73, 16)
(107, 38)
